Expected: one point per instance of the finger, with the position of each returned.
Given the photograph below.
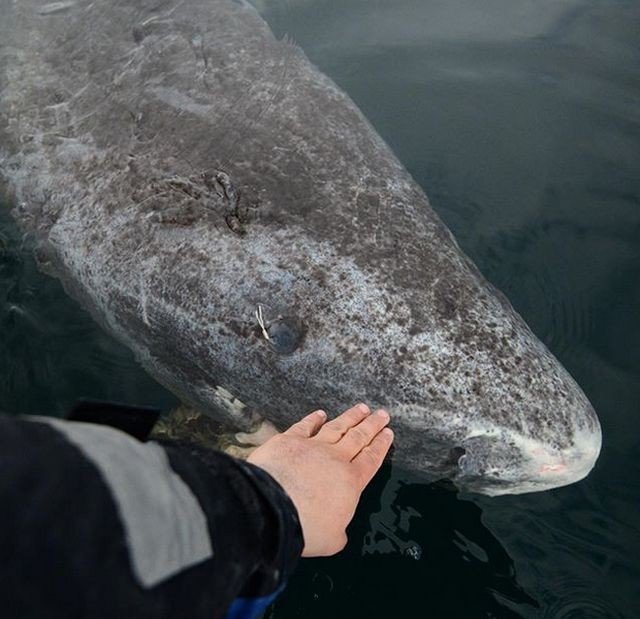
(358, 437)
(309, 425)
(370, 459)
(334, 430)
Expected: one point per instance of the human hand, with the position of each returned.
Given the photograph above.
(324, 467)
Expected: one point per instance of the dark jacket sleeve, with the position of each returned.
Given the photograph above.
(96, 525)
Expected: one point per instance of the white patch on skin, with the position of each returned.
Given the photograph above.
(180, 101)
(143, 303)
(55, 7)
(228, 401)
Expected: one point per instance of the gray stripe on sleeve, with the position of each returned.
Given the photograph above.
(165, 527)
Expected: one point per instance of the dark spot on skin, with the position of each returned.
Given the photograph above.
(256, 330)
(42, 256)
(138, 34)
(240, 328)
(234, 224)
(176, 217)
(455, 453)
(446, 308)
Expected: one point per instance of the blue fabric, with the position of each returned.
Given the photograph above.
(250, 608)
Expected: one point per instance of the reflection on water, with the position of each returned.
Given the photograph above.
(521, 119)
(461, 570)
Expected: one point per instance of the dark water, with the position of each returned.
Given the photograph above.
(521, 119)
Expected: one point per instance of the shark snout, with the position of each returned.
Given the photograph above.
(504, 462)
(560, 467)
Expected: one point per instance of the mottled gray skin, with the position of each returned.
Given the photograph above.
(177, 167)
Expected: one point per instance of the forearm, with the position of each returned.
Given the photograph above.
(255, 528)
(191, 531)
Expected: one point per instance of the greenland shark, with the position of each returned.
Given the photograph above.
(225, 210)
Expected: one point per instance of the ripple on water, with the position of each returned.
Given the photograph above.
(577, 600)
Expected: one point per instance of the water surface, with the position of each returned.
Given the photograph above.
(521, 119)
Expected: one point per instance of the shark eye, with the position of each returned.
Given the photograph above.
(285, 335)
